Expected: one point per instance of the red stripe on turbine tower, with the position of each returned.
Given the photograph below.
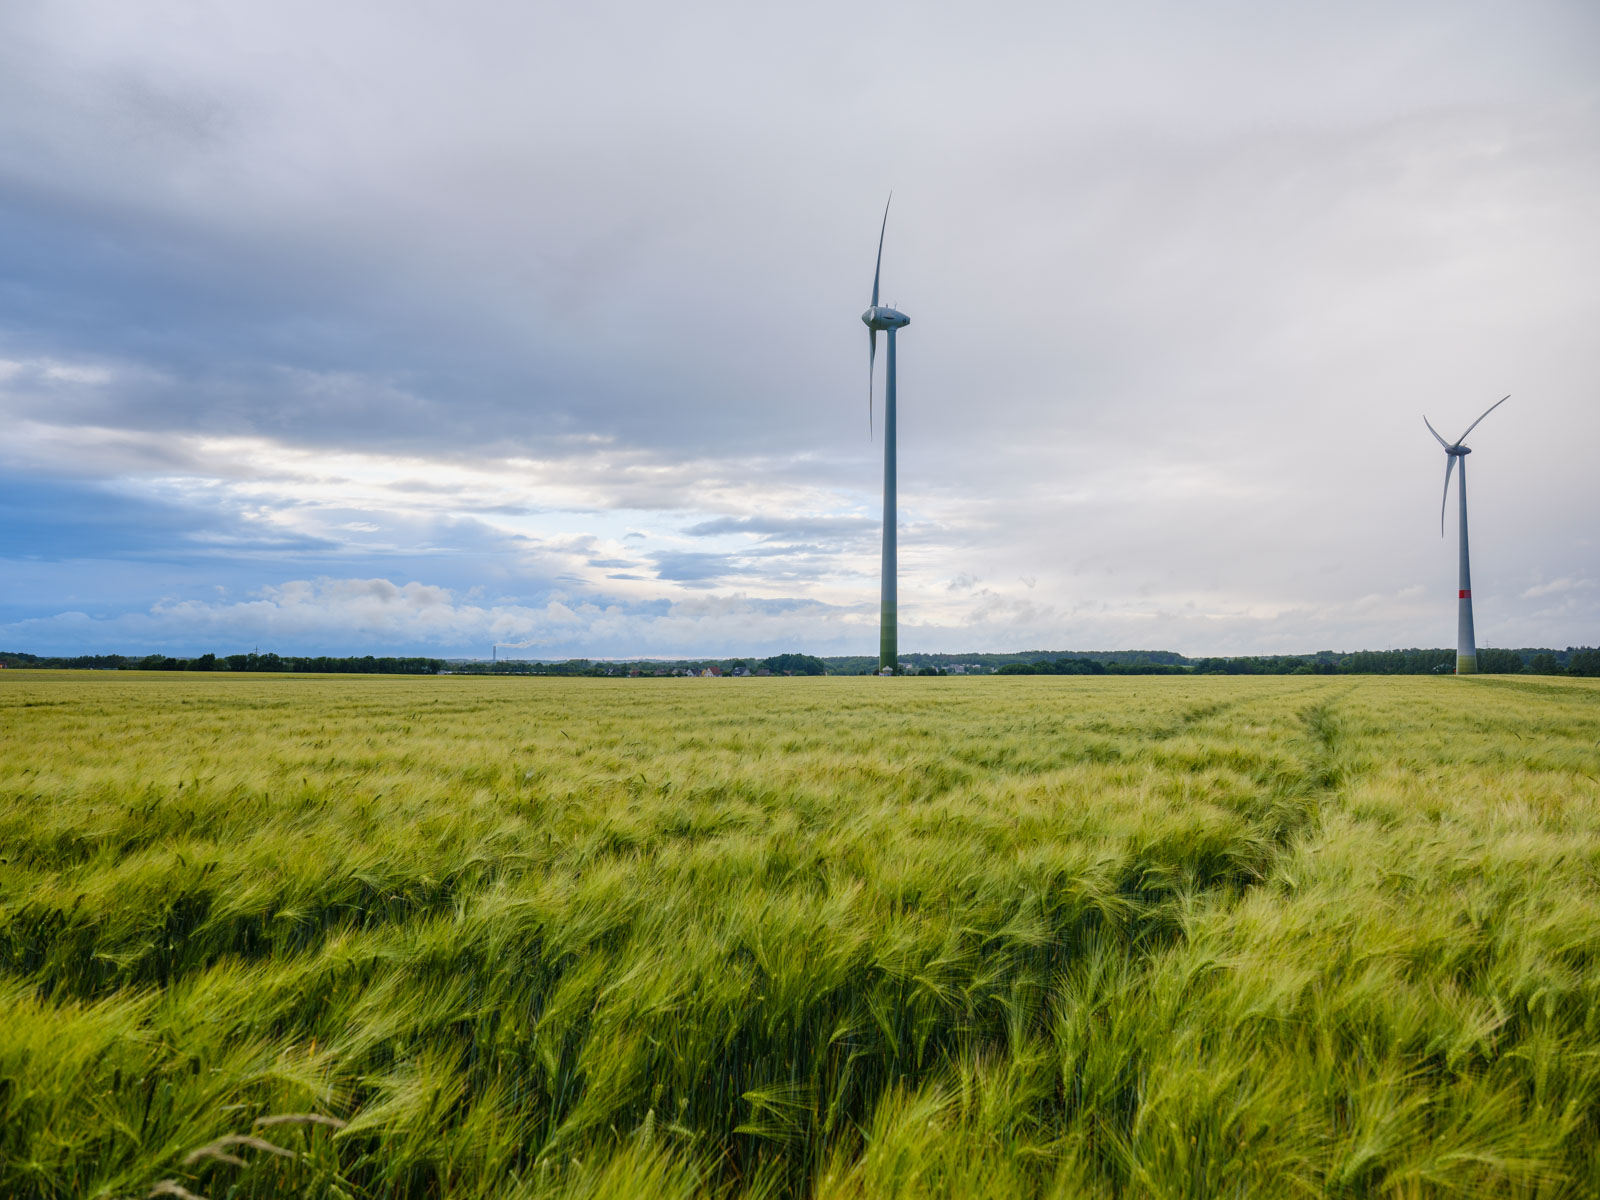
(1464, 594)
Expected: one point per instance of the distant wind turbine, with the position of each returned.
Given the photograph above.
(888, 320)
(1466, 644)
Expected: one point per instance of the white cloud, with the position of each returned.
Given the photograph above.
(1556, 587)
(367, 614)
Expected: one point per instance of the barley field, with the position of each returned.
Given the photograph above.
(1044, 936)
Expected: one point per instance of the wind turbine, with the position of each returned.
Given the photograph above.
(887, 319)
(1466, 645)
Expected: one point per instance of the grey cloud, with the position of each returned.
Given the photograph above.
(787, 550)
(52, 519)
(692, 567)
(341, 280)
(784, 528)
(423, 485)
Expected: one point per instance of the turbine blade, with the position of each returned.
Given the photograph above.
(1435, 433)
(1486, 412)
(879, 267)
(872, 360)
(1450, 465)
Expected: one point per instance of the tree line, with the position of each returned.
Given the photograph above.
(1089, 666)
(1574, 660)
(777, 664)
(334, 665)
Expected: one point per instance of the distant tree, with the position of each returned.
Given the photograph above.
(206, 662)
(1397, 662)
(1016, 668)
(1545, 664)
(795, 664)
(1499, 662)
(1584, 661)
(1077, 666)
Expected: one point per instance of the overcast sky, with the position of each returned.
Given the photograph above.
(422, 327)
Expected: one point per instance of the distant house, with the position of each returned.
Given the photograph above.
(711, 673)
(764, 671)
(741, 670)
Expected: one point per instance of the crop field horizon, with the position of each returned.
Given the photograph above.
(1053, 936)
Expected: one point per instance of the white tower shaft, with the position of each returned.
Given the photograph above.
(1456, 455)
(889, 616)
(885, 319)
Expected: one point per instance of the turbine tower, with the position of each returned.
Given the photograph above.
(887, 319)
(1466, 645)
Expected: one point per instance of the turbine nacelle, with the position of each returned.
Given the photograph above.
(1454, 450)
(881, 316)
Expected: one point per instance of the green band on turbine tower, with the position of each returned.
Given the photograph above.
(1466, 638)
(888, 639)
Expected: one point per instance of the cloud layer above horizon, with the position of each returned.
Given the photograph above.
(424, 329)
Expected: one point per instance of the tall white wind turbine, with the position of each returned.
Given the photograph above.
(1466, 645)
(888, 320)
